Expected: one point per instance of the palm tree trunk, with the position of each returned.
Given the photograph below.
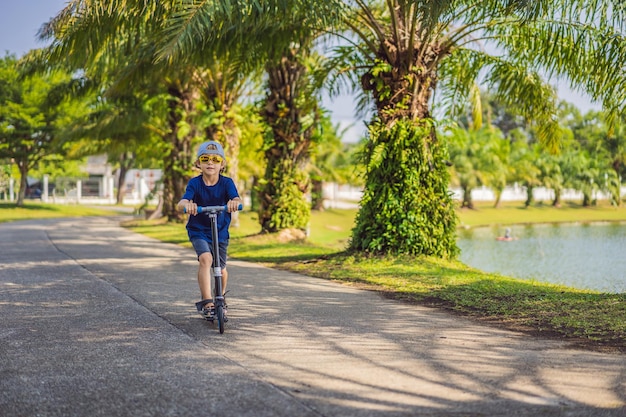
(126, 161)
(557, 198)
(467, 198)
(317, 200)
(178, 160)
(617, 167)
(282, 195)
(21, 194)
(406, 206)
(529, 196)
(498, 201)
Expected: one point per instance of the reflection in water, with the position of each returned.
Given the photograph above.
(588, 256)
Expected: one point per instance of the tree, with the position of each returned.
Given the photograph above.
(290, 111)
(406, 49)
(32, 117)
(251, 161)
(550, 175)
(463, 154)
(123, 126)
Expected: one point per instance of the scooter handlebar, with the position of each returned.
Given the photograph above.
(208, 209)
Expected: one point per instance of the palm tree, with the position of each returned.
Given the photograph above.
(607, 143)
(465, 173)
(499, 171)
(525, 170)
(290, 111)
(410, 50)
(213, 40)
(222, 85)
(479, 157)
(551, 176)
(615, 146)
(277, 36)
(251, 162)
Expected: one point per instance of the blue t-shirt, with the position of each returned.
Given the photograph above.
(219, 194)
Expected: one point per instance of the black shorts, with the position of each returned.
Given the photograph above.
(202, 246)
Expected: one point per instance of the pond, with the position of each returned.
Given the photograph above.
(587, 256)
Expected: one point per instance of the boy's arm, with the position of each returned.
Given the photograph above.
(235, 201)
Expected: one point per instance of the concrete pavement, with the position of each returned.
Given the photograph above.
(100, 321)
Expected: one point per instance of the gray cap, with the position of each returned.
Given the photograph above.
(211, 148)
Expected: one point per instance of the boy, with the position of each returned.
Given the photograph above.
(209, 189)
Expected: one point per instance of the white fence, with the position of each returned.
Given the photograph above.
(346, 196)
(518, 193)
(140, 183)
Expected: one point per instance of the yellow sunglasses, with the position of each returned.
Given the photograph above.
(216, 159)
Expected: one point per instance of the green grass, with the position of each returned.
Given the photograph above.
(587, 318)
(34, 210)
(516, 213)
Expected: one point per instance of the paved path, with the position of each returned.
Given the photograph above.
(99, 321)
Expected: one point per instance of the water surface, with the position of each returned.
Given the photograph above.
(588, 256)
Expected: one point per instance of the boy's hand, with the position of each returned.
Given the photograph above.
(190, 207)
(233, 205)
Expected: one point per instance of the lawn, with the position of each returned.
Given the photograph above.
(36, 210)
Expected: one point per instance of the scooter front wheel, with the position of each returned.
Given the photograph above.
(219, 313)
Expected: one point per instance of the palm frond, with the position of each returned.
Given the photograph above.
(584, 44)
(256, 29)
(342, 75)
(517, 85)
(458, 73)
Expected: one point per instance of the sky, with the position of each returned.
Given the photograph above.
(20, 20)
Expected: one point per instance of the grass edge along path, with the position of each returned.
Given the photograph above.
(582, 317)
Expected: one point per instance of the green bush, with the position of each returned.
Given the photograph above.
(406, 206)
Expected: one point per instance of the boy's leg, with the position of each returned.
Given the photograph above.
(204, 275)
(205, 261)
(224, 280)
(223, 255)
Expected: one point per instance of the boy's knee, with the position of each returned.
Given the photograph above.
(206, 259)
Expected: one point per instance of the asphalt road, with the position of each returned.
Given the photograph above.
(100, 321)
